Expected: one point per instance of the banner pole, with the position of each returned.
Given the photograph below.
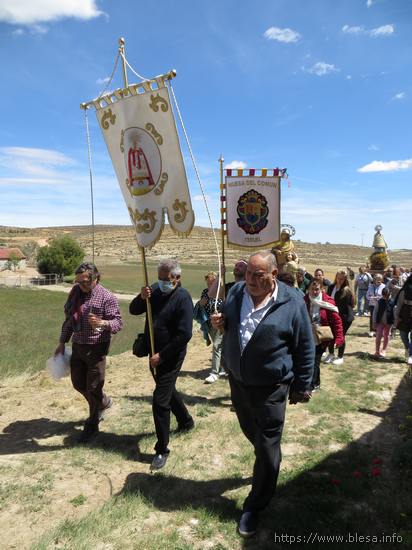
(142, 249)
(123, 56)
(148, 304)
(222, 219)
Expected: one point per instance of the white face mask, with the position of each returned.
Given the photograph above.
(165, 287)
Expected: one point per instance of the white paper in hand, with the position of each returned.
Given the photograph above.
(58, 366)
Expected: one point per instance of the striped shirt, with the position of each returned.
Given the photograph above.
(102, 303)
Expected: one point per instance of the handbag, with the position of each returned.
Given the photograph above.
(140, 347)
(321, 333)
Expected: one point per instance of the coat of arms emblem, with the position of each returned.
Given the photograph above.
(253, 212)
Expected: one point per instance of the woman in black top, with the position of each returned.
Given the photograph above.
(340, 291)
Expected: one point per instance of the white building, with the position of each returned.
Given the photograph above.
(7, 255)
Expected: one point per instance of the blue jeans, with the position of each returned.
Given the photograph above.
(406, 338)
(362, 301)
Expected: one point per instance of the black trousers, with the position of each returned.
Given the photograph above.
(87, 369)
(165, 399)
(341, 350)
(316, 367)
(261, 414)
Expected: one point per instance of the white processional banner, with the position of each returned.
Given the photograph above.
(252, 210)
(141, 136)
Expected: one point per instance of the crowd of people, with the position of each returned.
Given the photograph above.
(268, 332)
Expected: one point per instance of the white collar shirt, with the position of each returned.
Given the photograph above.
(250, 317)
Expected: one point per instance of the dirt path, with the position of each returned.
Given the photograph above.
(46, 478)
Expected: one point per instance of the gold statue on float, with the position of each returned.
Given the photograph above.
(283, 249)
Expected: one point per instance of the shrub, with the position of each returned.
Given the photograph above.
(62, 256)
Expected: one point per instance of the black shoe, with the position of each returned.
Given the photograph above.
(89, 432)
(187, 426)
(159, 461)
(102, 411)
(248, 524)
(315, 388)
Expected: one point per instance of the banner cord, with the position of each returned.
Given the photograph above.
(89, 154)
(131, 68)
(201, 189)
(111, 76)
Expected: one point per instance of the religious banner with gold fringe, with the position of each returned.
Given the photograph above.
(139, 129)
(251, 207)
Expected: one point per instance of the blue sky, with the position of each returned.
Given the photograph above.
(321, 87)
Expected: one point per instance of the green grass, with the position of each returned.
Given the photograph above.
(129, 279)
(30, 324)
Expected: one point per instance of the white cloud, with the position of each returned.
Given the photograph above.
(321, 68)
(33, 29)
(33, 162)
(353, 30)
(101, 81)
(32, 12)
(373, 147)
(236, 164)
(401, 95)
(348, 77)
(386, 166)
(282, 35)
(369, 3)
(384, 30)
(38, 29)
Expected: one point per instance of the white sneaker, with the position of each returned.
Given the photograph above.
(329, 358)
(211, 378)
(410, 360)
(372, 334)
(338, 361)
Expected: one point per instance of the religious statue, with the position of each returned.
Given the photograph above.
(379, 259)
(283, 247)
(379, 243)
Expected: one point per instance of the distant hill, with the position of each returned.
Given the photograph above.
(116, 243)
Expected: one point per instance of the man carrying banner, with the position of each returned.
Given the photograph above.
(268, 350)
(172, 309)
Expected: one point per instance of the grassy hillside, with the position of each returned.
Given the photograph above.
(116, 244)
(30, 328)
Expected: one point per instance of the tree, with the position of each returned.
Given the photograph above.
(62, 256)
(13, 261)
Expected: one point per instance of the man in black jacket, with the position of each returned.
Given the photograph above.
(172, 309)
(268, 350)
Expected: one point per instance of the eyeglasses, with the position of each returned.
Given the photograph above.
(84, 282)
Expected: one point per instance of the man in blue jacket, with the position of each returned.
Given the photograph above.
(172, 309)
(269, 351)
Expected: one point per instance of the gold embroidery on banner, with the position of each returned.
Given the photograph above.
(182, 211)
(122, 141)
(150, 128)
(154, 100)
(149, 219)
(163, 181)
(107, 117)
